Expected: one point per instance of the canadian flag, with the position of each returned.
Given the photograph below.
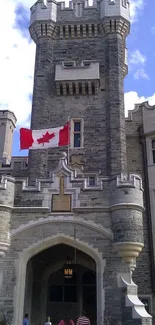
(43, 139)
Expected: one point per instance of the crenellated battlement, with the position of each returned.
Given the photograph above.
(127, 190)
(8, 115)
(129, 180)
(50, 10)
(113, 8)
(81, 3)
(7, 190)
(41, 11)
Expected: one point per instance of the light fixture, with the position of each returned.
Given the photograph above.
(68, 269)
(69, 266)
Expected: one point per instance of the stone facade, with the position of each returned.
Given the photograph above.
(93, 201)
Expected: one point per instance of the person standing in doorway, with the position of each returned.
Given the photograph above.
(83, 319)
(26, 320)
(48, 321)
(66, 321)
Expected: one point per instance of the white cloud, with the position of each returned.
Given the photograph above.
(17, 57)
(136, 6)
(141, 74)
(131, 98)
(137, 58)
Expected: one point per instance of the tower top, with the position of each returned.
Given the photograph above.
(51, 10)
(44, 10)
(7, 126)
(115, 8)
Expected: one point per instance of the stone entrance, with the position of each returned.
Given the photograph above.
(49, 293)
(43, 291)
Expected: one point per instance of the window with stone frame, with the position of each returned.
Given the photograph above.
(147, 303)
(76, 133)
(153, 151)
(92, 181)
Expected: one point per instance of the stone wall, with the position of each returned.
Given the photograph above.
(135, 161)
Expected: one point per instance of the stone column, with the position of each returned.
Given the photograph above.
(114, 95)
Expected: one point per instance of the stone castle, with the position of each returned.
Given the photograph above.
(90, 212)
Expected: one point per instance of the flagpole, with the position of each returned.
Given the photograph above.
(68, 138)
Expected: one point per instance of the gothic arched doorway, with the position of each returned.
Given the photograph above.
(50, 294)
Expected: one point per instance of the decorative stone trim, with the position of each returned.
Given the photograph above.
(4, 181)
(64, 219)
(43, 29)
(63, 169)
(116, 25)
(91, 209)
(128, 250)
(6, 207)
(132, 300)
(34, 249)
(129, 180)
(30, 209)
(27, 188)
(75, 88)
(3, 248)
(78, 31)
(123, 206)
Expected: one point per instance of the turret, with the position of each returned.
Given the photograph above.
(42, 30)
(7, 188)
(7, 126)
(43, 19)
(115, 9)
(127, 215)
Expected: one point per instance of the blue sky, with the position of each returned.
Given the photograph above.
(18, 53)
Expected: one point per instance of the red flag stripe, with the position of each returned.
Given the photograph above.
(64, 137)
(26, 139)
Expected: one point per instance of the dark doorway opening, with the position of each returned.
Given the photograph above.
(49, 294)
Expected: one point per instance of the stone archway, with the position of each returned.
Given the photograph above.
(25, 256)
(85, 263)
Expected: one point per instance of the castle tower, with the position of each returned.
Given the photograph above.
(79, 72)
(79, 219)
(7, 126)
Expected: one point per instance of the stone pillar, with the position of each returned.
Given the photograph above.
(42, 31)
(7, 126)
(114, 95)
(41, 104)
(7, 188)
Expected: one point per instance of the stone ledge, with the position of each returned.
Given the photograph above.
(121, 206)
(5, 207)
(30, 209)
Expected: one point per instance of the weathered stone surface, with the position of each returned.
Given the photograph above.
(112, 210)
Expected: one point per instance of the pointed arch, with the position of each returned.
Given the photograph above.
(33, 250)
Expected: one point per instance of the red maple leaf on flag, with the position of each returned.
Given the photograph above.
(46, 138)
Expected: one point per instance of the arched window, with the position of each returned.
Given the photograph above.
(61, 289)
(89, 290)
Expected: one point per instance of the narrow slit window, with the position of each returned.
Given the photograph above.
(124, 3)
(153, 150)
(77, 134)
(92, 181)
